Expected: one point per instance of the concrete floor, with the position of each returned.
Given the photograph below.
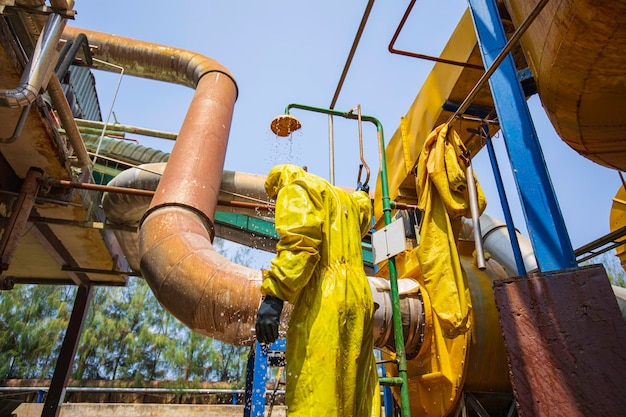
(143, 410)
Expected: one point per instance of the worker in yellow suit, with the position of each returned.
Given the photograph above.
(318, 267)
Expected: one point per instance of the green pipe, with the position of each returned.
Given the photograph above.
(116, 128)
(390, 380)
(393, 274)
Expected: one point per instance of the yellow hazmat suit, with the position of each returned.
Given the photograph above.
(318, 267)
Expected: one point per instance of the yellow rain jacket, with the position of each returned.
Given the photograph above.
(318, 267)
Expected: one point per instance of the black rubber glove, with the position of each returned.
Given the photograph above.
(363, 187)
(267, 319)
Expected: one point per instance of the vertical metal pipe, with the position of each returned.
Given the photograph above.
(473, 200)
(18, 127)
(331, 149)
(206, 125)
(19, 216)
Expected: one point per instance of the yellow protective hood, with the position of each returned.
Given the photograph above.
(281, 175)
(443, 197)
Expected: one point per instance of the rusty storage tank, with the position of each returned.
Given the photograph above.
(575, 50)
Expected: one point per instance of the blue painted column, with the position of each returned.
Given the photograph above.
(548, 234)
(256, 377)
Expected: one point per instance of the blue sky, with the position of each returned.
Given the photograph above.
(283, 52)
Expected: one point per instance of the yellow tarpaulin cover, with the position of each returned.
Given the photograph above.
(443, 197)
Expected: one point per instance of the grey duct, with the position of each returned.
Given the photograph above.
(128, 209)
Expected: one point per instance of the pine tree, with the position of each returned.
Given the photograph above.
(127, 336)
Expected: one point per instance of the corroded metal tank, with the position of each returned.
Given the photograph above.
(575, 50)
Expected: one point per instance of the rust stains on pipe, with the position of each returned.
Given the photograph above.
(204, 290)
(148, 60)
(193, 174)
(67, 120)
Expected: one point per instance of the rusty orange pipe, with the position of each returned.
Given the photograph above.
(147, 59)
(204, 290)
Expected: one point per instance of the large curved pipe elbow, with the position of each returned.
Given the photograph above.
(206, 292)
(189, 278)
(149, 60)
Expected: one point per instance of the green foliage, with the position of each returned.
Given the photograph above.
(32, 322)
(614, 270)
(127, 336)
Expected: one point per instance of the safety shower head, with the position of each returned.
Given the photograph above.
(285, 125)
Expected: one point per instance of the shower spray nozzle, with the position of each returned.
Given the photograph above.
(284, 125)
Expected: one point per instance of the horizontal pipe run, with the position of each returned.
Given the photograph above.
(402, 206)
(115, 128)
(96, 187)
(143, 193)
(149, 60)
(390, 381)
(112, 390)
(119, 161)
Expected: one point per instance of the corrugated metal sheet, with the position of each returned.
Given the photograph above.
(82, 95)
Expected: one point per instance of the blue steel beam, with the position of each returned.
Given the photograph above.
(546, 227)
